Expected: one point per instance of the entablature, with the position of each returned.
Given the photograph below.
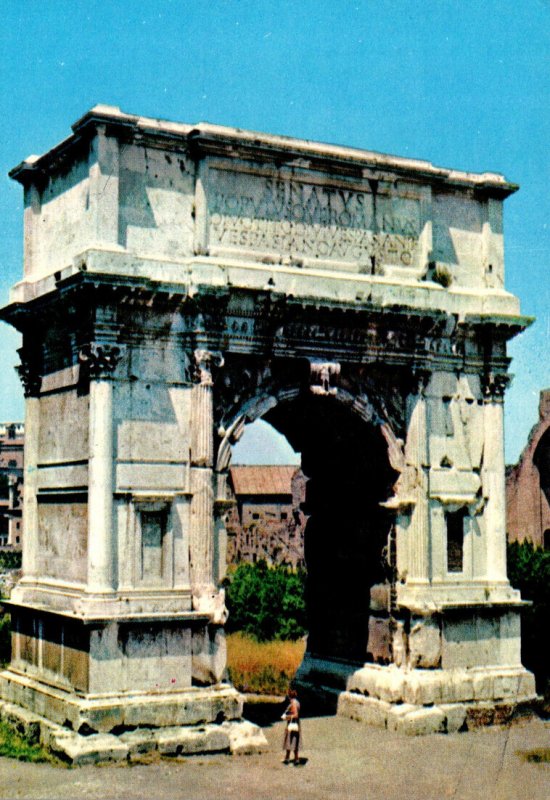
(110, 310)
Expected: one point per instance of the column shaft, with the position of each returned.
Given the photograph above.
(494, 490)
(100, 497)
(203, 436)
(417, 448)
(30, 544)
(202, 507)
(202, 530)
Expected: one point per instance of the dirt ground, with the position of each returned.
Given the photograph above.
(342, 759)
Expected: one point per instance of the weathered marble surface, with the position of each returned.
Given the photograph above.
(183, 280)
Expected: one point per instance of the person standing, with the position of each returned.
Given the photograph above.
(291, 742)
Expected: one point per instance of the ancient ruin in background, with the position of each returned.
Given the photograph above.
(181, 281)
(528, 484)
(11, 484)
(267, 520)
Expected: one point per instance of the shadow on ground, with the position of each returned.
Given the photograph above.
(266, 711)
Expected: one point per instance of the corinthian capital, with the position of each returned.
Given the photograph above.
(494, 385)
(419, 380)
(99, 360)
(205, 362)
(29, 373)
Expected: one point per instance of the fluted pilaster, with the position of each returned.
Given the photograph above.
(29, 374)
(202, 461)
(417, 457)
(493, 476)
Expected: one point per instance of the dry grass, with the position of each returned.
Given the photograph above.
(262, 667)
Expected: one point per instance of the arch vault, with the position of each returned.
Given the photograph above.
(181, 281)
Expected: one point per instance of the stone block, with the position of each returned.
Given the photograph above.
(399, 645)
(506, 686)
(142, 740)
(421, 722)
(379, 642)
(364, 709)
(503, 713)
(425, 644)
(190, 708)
(483, 686)
(396, 713)
(363, 681)
(95, 749)
(245, 738)
(510, 639)
(527, 687)
(389, 685)
(380, 597)
(209, 655)
(99, 718)
(48, 730)
(457, 686)
(479, 715)
(455, 716)
(422, 687)
(177, 741)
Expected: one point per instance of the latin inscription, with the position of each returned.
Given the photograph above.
(295, 218)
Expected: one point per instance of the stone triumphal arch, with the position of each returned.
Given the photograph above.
(181, 281)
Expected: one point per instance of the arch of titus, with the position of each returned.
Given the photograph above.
(181, 281)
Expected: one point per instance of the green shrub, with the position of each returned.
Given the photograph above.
(10, 559)
(529, 571)
(266, 602)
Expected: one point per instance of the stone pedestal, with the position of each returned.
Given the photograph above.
(118, 621)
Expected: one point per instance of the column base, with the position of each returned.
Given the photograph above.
(416, 701)
(111, 712)
(436, 701)
(236, 737)
(88, 729)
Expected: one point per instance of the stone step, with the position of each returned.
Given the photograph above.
(238, 737)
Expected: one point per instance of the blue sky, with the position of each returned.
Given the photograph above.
(460, 83)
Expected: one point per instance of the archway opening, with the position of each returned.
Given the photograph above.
(346, 463)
